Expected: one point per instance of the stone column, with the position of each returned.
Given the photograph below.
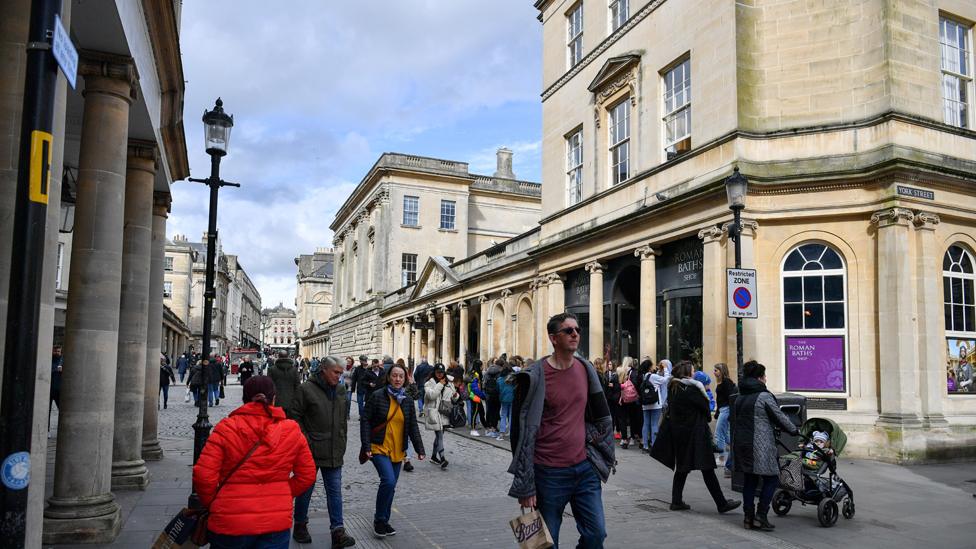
(713, 297)
(541, 317)
(83, 507)
(128, 468)
(557, 294)
(463, 334)
(507, 339)
(648, 301)
(418, 336)
(432, 339)
(151, 450)
(595, 341)
(446, 345)
(484, 335)
(385, 340)
(897, 327)
(930, 327)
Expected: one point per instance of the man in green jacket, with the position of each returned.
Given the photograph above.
(319, 407)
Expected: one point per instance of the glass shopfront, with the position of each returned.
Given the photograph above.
(679, 300)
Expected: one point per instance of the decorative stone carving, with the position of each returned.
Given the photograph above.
(594, 267)
(646, 252)
(892, 216)
(926, 221)
(482, 299)
(109, 65)
(749, 226)
(506, 292)
(709, 234)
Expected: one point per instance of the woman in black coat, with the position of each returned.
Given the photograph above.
(689, 438)
(389, 419)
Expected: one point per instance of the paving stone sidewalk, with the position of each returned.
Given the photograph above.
(466, 506)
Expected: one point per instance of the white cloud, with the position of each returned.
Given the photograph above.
(316, 87)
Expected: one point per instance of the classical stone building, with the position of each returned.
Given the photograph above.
(178, 277)
(406, 213)
(851, 120)
(280, 329)
(118, 144)
(243, 307)
(219, 341)
(313, 300)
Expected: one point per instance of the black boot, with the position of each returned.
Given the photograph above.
(300, 533)
(341, 539)
(762, 523)
(729, 505)
(748, 522)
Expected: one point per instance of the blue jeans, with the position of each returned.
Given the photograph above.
(272, 540)
(438, 450)
(165, 390)
(213, 393)
(332, 478)
(579, 486)
(769, 484)
(722, 438)
(652, 421)
(361, 401)
(506, 418)
(389, 472)
(420, 401)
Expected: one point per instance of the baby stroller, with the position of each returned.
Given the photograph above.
(821, 487)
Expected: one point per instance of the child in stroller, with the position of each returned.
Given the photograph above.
(809, 474)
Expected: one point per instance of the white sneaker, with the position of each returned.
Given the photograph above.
(475, 433)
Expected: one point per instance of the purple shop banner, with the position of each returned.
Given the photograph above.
(815, 364)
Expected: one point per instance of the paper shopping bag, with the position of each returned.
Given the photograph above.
(530, 531)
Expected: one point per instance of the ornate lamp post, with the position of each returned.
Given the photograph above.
(736, 187)
(216, 125)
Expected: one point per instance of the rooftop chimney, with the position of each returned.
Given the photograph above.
(504, 170)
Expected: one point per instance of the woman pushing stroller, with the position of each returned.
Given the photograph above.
(756, 415)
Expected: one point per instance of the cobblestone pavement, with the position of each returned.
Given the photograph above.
(466, 506)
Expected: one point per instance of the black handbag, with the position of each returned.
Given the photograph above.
(191, 524)
(663, 448)
(458, 417)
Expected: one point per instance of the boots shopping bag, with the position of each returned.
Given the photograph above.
(531, 531)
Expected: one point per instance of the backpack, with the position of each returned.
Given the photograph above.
(458, 417)
(648, 393)
(491, 385)
(628, 393)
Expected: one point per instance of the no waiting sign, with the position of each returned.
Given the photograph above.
(742, 293)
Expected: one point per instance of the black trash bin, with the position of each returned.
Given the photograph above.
(795, 408)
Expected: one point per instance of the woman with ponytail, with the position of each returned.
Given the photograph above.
(258, 461)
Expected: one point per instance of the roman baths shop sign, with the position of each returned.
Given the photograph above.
(680, 265)
(815, 363)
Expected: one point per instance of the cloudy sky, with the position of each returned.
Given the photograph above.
(319, 89)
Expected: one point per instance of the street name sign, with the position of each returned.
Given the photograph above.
(742, 293)
(64, 52)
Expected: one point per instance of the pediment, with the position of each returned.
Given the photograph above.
(612, 70)
(437, 274)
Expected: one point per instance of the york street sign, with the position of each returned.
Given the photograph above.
(64, 52)
(742, 293)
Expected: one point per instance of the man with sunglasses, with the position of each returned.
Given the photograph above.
(562, 436)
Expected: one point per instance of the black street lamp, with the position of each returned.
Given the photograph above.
(736, 187)
(216, 125)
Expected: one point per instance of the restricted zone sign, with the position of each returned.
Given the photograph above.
(742, 293)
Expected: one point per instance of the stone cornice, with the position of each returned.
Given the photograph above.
(164, 35)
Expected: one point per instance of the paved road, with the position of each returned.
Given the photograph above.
(466, 506)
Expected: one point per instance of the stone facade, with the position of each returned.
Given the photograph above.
(314, 296)
(244, 307)
(860, 210)
(407, 212)
(280, 330)
(118, 143)
(178, 279)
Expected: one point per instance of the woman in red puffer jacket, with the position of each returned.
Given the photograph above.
(254, 507)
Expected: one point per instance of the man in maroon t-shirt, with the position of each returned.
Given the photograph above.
(562, 396)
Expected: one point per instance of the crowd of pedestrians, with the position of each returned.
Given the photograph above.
(565, 419)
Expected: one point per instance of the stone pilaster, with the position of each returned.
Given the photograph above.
(128, 467)
(931, 329)
(648, 301)
(82, 506)
(713, 296)
(418, 336)
(447, 348)
(431, 338)
(484, 335)
(595, 342)
(897, 327)
(541, 317)
(557, 293)
(151, 450)
(463, 334)
(505, 328)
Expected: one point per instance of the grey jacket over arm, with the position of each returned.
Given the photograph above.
(530, 396)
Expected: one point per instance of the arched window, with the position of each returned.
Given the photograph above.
(815, 318)
(958, 281)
